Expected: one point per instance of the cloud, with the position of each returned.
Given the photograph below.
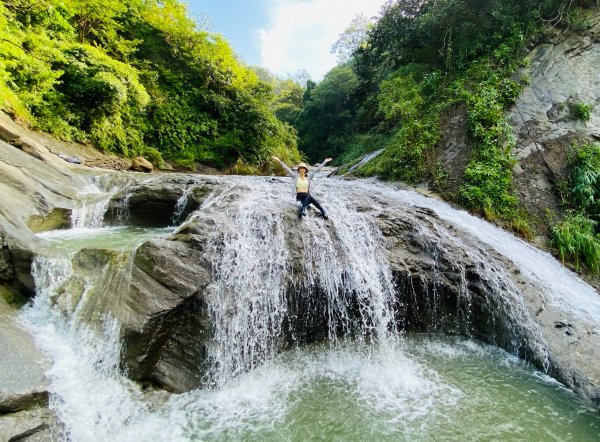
(300, 33)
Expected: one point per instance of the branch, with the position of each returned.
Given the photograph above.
(559, 14)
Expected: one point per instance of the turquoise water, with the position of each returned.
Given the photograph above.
(114, 238)
(430, 388)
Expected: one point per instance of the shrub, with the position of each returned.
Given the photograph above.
(575, 239)
(584, 162)
(242, 168)
(488, 90)
(581, 111)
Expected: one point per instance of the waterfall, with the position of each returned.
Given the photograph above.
(69, 319)
(181, 204)
(344, 257)
(247, 297)
(561, 286)
(252, 270)
(359, 377)
(93, 200)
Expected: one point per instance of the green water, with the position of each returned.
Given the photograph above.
(114, 238)
(429, 388)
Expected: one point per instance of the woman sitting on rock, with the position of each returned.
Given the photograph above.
(302, 185)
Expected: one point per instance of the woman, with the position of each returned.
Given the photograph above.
(302, 185)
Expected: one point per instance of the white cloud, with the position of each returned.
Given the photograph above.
(300, 33)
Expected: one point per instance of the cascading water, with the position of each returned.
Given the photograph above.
(247, 297)
(366, 382)
(93, 201)
(562, 286)
(252, 270)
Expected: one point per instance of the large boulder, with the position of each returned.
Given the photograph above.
(156, 296)
(35, 425)
(141, 164)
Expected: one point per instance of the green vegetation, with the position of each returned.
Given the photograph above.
(581, 111)
(137, 77)
(421, 60)
(577, 237)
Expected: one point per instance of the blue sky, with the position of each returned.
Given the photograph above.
(284, 36)
(239, 21)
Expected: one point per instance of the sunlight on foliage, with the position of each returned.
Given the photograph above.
(136, 78)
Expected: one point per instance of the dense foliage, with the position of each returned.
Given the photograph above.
(138, 77)
(417, 62)
(577, 235)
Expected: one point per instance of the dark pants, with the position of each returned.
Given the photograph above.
(306, 199)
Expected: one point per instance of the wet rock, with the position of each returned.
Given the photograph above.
(156, 296)
(23, 384)
(57, 218)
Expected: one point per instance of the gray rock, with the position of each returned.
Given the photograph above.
(560, 74)
(23, 384)
(141, 164)
(36, 425)
(159, 306)
(69, 159)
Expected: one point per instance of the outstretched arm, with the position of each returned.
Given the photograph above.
(319, 167)
(287, 169)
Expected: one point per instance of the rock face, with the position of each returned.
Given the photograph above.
(23, 385)
(36, 425)
(22, 381)
(38, 191)
(561, 74)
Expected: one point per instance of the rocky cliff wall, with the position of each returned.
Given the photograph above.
(562, 73)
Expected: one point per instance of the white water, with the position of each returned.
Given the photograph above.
(386, 388)
(251, 265)
(94, 198)
(562, 286)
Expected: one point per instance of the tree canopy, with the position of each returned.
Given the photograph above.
(139, 77)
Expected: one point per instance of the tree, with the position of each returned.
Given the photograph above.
(328, 113)
(353, 37)
(96, 18)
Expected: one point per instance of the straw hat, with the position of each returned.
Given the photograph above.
(301, 165)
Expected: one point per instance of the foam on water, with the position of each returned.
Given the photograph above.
(88, 393)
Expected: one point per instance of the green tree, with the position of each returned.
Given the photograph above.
(96, 19)
(324, 123)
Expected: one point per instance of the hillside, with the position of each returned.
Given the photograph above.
(137, 77)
